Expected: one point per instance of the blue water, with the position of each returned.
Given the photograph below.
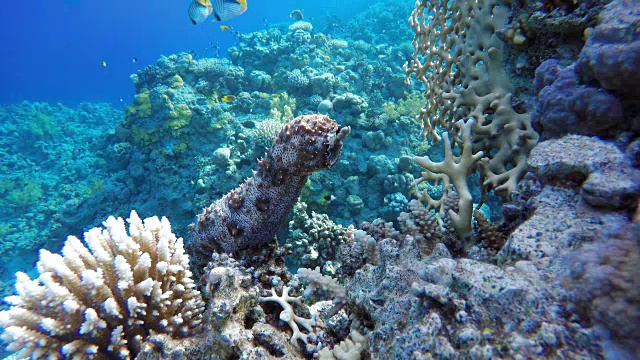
(52, 50)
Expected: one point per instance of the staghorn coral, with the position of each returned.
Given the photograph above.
(452, 171)
(251, 214)
(105, 300)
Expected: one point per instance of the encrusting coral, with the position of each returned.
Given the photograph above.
(103, 300)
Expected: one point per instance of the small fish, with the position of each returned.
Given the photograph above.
(228, 98)
(277, 95)
(199, 11)
(296, 15)
(103, 64)
(134, 60)
(225, 28)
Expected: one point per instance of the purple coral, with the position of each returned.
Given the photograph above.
(604, 284)
(564, 106)
(611, 57)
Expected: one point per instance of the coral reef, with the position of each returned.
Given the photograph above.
(54, 173)
(594, 95)
(514, 247)
(314, 240)
(567, 107)
(602, 278)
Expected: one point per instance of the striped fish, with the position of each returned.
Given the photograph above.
(199, 11)
(227, 9)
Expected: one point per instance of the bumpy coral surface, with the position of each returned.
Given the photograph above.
(604, 281)
(103, 301)
(611, 56)
(251, 214)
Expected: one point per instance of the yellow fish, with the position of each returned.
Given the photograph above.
(227, 9)
(199, 11)
(224, 28)
(228, 98)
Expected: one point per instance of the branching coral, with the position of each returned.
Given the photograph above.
(282, 108)
(103, 301)
(314, 240)
(287, 315)
(459, 57)
(348, 349)
(318, 283)
(453, 170)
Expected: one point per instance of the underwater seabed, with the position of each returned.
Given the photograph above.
(312, 203)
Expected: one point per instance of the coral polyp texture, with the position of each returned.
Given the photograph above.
(104, 299)
(459, 57)
(251, 214)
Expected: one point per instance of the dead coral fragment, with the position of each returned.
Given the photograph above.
(287, 315)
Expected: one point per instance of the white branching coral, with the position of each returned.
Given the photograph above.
(103, 300)
(287, 315)
(318, 283)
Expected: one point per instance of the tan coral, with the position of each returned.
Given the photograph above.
(453, 169)
(489, 234)
(459, 57)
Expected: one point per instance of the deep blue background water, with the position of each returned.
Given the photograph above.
(51, 50)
